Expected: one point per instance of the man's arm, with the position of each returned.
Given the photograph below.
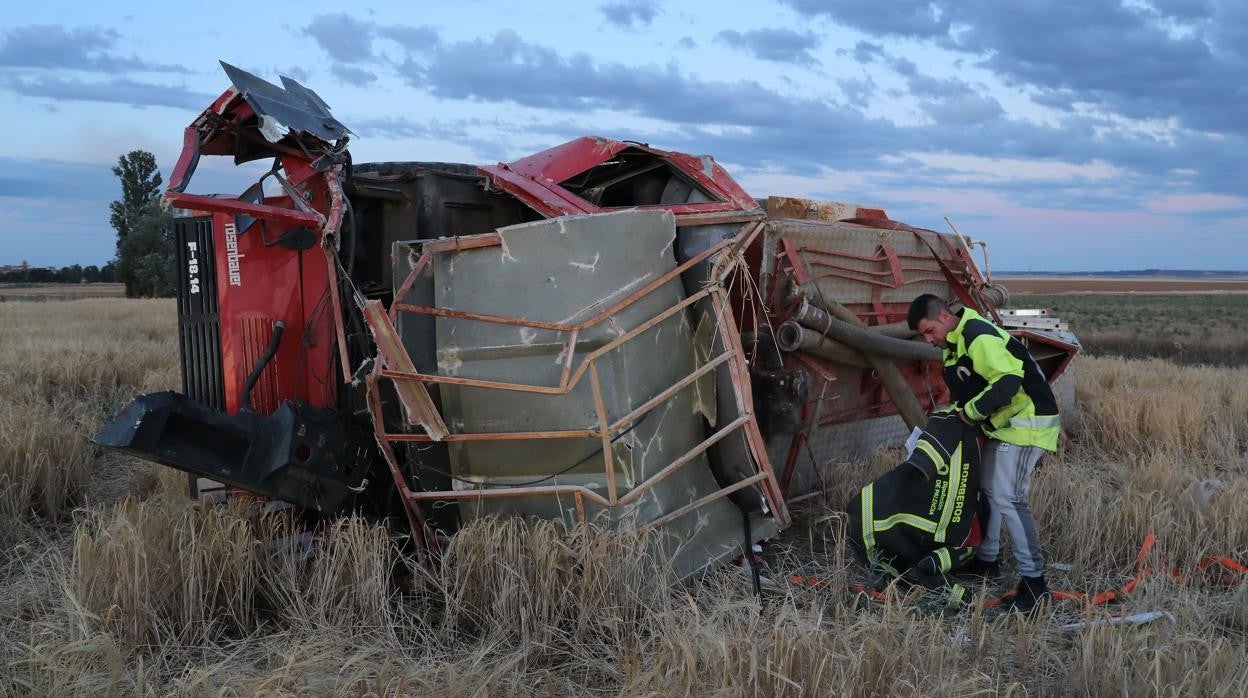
(1004, 373)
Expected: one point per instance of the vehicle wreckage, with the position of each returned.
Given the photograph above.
(601, 331)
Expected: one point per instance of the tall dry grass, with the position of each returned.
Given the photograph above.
(157, 595)
(66, 367)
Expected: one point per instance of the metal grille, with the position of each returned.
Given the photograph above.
(199, 322)
(256, 333)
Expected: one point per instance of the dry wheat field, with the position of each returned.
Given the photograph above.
(113, 583)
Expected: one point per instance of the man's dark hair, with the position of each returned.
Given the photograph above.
(925, 306)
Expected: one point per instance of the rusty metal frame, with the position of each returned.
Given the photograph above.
(892, 276)
(733, 357)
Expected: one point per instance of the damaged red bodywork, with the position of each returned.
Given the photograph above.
(357, 261)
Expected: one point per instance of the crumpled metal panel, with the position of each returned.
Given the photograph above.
(295, 109)
(856, 240)
(731, 457)
(536, 179)
(567, 270)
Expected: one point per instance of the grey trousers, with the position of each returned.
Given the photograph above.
(1005, 478)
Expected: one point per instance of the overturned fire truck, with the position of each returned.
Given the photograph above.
(602, 331)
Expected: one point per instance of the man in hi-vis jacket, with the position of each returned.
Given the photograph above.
(997, 386)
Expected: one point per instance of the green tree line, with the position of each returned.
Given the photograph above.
(73, 274)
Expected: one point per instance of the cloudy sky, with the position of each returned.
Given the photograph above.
(1070, 134)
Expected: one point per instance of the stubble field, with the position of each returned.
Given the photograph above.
(59, 292)
(1122, 284)
(113, 583)
(1185, 328)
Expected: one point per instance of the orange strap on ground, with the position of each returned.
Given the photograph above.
(1226, 577)
(817, 583)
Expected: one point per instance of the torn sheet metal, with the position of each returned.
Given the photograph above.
(281, 112)
(731, 458)
(542, 181)
(414, 398)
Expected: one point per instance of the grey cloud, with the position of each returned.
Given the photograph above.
(52, 179)
(118, 91)
(53, 47)
(962, 108)
(508, 69)
(350, 75)
(300, 74)
(779, 45)
(1061, 100)
(687, 42)
(411, 38)
(1125, 59)
(390, 127)
(350, 41)
(866, 52)
(795, 133)
(904, 67)
(918, 18)
(947, 100)
(490, 139)
(343, 37)
(630, 14)
(858, 91)
(1184, 9)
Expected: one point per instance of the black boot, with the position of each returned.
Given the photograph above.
(988, 570)
(1031, 591)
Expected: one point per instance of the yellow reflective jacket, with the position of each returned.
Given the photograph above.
(995, 380)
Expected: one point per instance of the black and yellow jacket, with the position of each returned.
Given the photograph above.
(922, 515)
(995, 380)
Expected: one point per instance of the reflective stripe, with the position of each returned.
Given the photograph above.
(946, 563)
(909, 519)
(972, 412)
(938, 460)
(955, 479)
(957, 594)
(868, 524)
(1041, 422)
(868, 531)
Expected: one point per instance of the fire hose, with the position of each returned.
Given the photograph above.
(842, 324)
(849, 338)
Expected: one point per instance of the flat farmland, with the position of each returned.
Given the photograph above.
(1182, 326)
(114, 583)
(1122, 284)
(59, 292)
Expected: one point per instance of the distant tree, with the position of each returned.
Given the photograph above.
(145, 257)
(40, 275)
(140, 190)
(71, 274)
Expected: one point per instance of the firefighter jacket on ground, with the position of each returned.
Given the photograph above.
(922, 515)
(995, 380)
